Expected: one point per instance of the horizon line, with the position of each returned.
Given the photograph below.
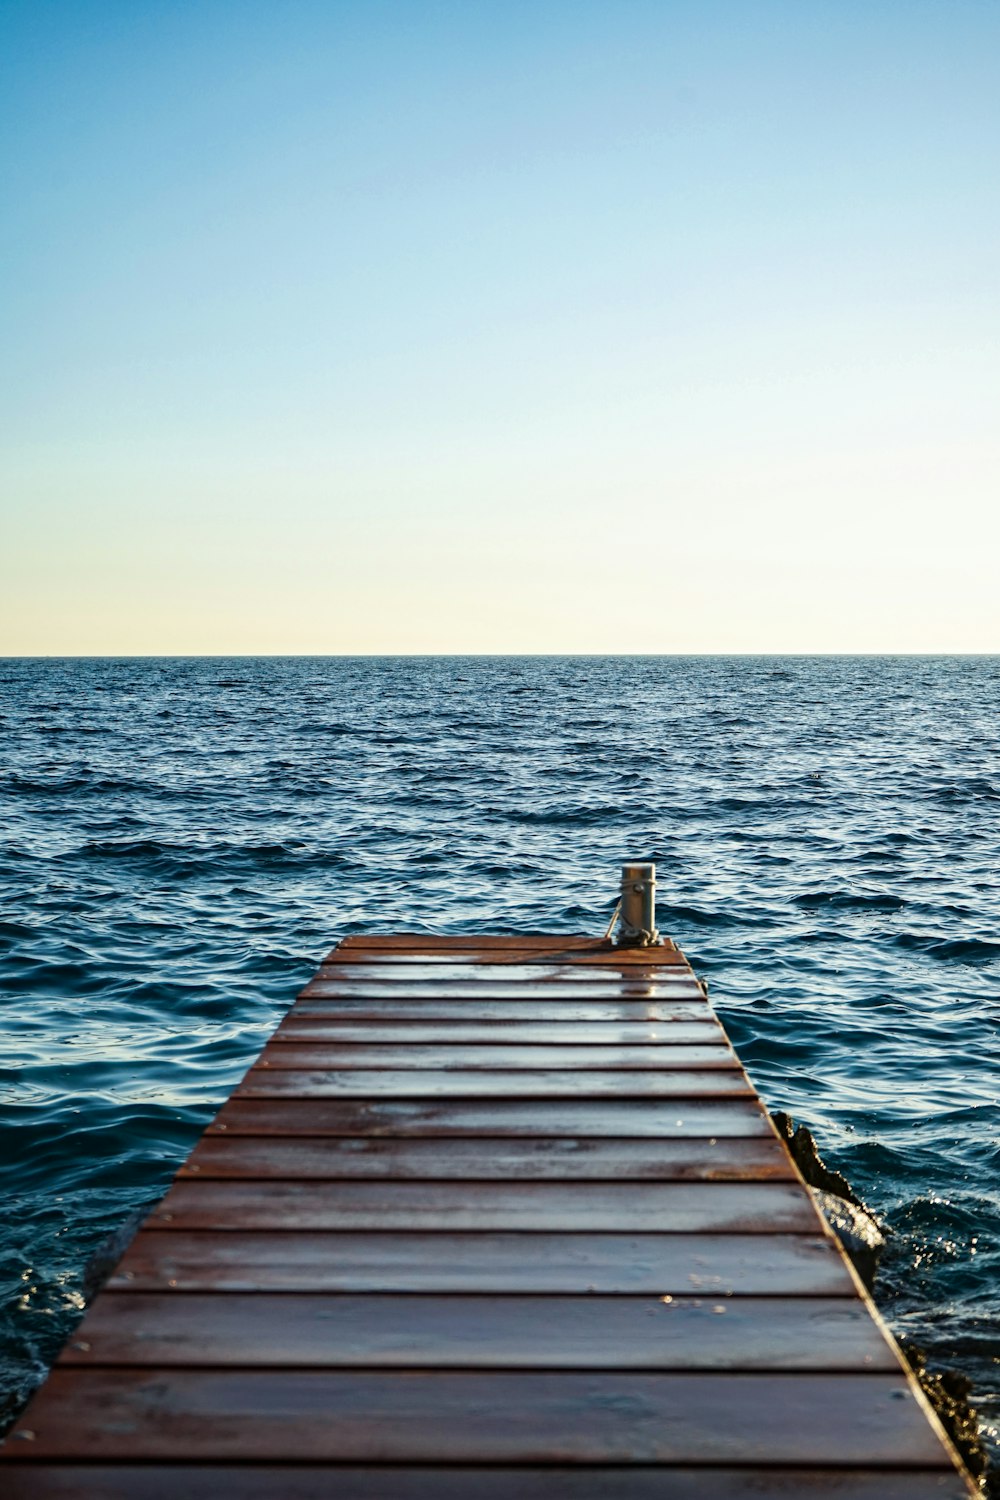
(487, 655)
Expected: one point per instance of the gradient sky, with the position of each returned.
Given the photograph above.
(549, 326)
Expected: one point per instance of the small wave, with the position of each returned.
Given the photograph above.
(13, 932)
(573, 815)
(975, 788)
(125, 849)
(849, 900)
(970, 949)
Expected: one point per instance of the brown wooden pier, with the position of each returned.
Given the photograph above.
(489, 1217)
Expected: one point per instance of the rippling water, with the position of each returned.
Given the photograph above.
(181, 839)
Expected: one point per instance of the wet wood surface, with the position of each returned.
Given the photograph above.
(495, 1115)
(488, 1216)
(321, 1331)
(582, 1032)
(482, 973)
(457, 1083)
(458, 984)
(707, 1208)
(692, 1118)
(269, 1158)
(266, 1481)
(480, 965)
(342, 1004)
(520, 945)
(496, 1056)
(483, 1416)
(669, 1263)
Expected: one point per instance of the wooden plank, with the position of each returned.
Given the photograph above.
(406, 1033)
(442, 1008)
(667, 1119)
(793, 1265)
(604, 1417)
(272, 1083)
(343, 1482)
(496, 1056)
(449, 987)
(491, 969)
(425, 969)
(718, 1207)
(430, 942)
(594, 957)
(587, 953)
(485, 1158)
(315, 1331)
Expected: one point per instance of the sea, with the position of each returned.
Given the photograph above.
(181, 839)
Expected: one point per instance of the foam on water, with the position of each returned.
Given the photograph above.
(181, 839)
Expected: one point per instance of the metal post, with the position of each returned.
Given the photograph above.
(637, 928)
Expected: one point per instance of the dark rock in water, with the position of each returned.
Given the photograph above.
(862, 1237)
(856, 1230)
(948, 1392)
(808, 1160)
(855, 1226)
(109, 1252)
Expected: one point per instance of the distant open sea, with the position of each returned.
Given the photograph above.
(181, 839)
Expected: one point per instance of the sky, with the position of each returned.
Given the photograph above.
(561, 326)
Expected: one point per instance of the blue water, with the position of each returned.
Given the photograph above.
(181, 839)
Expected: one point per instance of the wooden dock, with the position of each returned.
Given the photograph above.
(489, 1217)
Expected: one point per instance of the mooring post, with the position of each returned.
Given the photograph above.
(637, 927)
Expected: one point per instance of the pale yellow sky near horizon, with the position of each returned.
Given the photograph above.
(297, 587)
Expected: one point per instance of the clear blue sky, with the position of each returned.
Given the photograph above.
(554, 326)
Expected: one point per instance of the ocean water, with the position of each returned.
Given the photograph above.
(181, 839)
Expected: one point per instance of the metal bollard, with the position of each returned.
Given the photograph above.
(637, 927)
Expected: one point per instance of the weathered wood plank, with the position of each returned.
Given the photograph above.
(407, 1033)
(605, 1417)
(711, 1208)
(343, 1482)
(661, 1118)
(435, 1007)
(792, 1265)
(274, 1083)
(450, 986)
(497, 1056)
(481, 966)
(310, 1331)
(486, 1158)
(585, 957)
(429, 942)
